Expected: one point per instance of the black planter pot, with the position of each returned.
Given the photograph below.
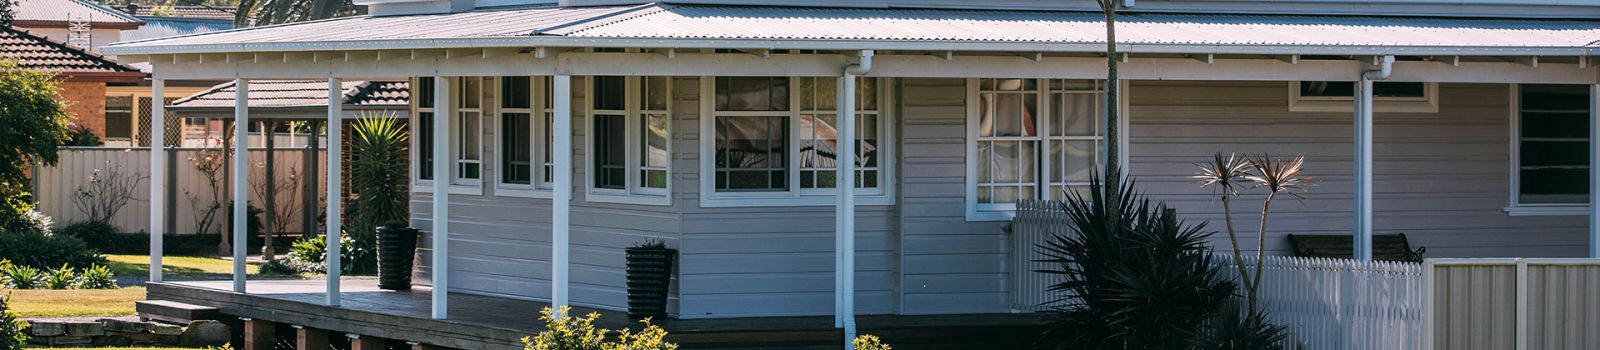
(649, 279)
(397, 252)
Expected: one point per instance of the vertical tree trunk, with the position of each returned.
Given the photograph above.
(270, 203)
(1113, 144)
(224, 247)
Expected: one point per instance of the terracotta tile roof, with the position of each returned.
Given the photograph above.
(302, 93)
(51, 11)
(38, 52)
(200, 12)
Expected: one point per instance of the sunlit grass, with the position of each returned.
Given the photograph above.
(42, 303)
(175, 266)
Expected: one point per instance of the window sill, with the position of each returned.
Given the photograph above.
(427, 187)
(523, 192)
(634, 199)
(1561, 210)
(989, 216)
(712, 201)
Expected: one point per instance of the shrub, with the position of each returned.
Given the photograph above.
(1235, 330)
(1133, 276)
(97, 277)
(579, 333)
(870, 342)
(97, 234)
(12, 334)
(18, 215)
(61, 278)
(81, 136)
(21, 277)
(42, 251)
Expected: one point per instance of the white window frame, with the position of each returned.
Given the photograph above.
(539, 114)
(976, 212)
(1428, 103)
(419, 185)
(1514, 206)
(633, 117)
(884, 194)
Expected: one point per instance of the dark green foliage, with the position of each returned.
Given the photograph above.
(378, 172)
(17, 214)
(1132, 277)
(100, 235)
(81, 136)
(61, 278)
(35, 119)
(7, 14)
(20, 277)
(310, 254)
(1234, 330)
(97, 277)
(42, 251)
(12, 336)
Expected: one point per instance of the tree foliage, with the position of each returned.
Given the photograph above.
(35, 125)
(265, 12)
(8, 12)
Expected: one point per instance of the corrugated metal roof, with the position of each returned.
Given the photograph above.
(37, 52)
(661, 24)
(302, 93)
(65, 10)
(807, 23)
(181, 11)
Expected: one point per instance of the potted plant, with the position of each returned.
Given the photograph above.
(649, 278)
(378, 176)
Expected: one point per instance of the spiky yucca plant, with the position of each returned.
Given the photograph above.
(1225, 175)
(1276, 176)
(1132, 276)
(379, 175)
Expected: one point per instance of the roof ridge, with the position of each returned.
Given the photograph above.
(112, 10)
(602, 20)
(92, 56)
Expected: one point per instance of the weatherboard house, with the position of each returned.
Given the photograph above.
(549, 137)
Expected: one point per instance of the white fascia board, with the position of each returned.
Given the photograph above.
(846, 45)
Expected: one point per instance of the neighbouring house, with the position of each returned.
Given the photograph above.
(83, 75)
(83, 23)
(550, 137)
(163, 21)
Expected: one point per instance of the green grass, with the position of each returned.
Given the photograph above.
(176, 266)
(41, 303)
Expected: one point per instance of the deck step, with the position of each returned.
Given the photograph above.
(175, 312)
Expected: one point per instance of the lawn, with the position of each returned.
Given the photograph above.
(41, 303)
(176, 266)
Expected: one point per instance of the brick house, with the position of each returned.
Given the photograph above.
(83, 74)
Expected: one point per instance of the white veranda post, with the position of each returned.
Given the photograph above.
(1363, 166)
(441, 195)
(241, 178)
(158, 174)
(335, 158)
(560, 219)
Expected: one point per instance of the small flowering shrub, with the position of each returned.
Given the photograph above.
(563, 332)
(870, 342)
(12, 336)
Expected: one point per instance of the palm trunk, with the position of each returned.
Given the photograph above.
(1238, 257)
(1113, 172)
(1261, 241)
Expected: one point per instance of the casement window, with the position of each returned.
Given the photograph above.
(630, 128)
(1030, 139)
(119, 120)
(1550, 172)
(1387, 96)
(466, 130)
(523, 146)
(773, 141)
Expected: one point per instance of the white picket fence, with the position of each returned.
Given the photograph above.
(55, 186)
(1326, 303)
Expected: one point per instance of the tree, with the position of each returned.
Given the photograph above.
(36, 125)
(264, 12)
(1113, 170)
(8, 12)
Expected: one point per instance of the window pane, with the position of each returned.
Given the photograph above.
(1075, 115)
(610, 92)
(610, 154)
(1399, 89)
(548, 92)
(752, 93)
(655, 93)
(655, 141)
(425, 145)
(1007, 114)
(819, 93)
(471, 92)
(1554, 186)
(549, 134)
(1554, 145)
(471, 135)
(867, 94)
(515, 92)
(517, 149)
(424, 92)
(119, 117)
(1072, 161)
(1348, 89)
(750, 153)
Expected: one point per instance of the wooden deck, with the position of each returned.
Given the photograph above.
(483, 322)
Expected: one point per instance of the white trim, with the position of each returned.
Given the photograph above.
(1514, 205)
(538, 116)
(884, 194)
(158, 173)
(976, 212)
(633, 192)
(418, 184)
(335, 205)
(459, 110)
(1428, 103)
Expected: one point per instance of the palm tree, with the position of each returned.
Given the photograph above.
(1113, 172)
(265, 12)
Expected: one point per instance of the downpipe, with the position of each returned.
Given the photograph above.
(1363, 147)
(845, 282)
